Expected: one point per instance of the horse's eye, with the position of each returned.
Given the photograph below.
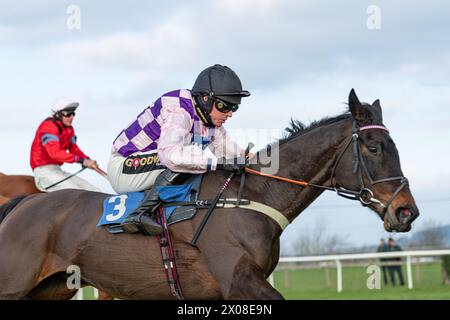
(373, 149)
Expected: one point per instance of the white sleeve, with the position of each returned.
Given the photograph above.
(174, 146)
(224, 146)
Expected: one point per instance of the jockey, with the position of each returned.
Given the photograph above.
(180, 134)
(55, 144)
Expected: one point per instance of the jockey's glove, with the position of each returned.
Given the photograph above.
(236, 165)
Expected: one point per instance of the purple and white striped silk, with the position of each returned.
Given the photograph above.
(142, 135)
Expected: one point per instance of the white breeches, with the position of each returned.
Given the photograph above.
(45, 176)
(122, 177)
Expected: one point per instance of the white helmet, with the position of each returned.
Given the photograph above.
(64, 104)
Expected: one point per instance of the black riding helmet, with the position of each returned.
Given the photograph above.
(219, 82)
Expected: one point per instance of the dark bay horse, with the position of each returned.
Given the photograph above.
(12, 186)
(239, 248)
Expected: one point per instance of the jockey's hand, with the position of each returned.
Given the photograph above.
(89, 163)
(236, 165)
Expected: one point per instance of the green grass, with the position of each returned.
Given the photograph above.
(311, 284)
(307, 284)
(88, 293)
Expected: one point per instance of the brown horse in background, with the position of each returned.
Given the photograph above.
(3, 200)
(239, 248)
(12, 186)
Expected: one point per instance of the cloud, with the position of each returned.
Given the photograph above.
(244, 7)
(154, 49)
(270, 43)
(6, 32)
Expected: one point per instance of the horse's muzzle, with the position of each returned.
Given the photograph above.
(400, 219)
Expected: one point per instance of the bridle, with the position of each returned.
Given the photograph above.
(365, 194)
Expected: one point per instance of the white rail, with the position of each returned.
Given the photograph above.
(362, 256)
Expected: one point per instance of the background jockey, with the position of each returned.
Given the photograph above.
(55, 144)
(175, 132)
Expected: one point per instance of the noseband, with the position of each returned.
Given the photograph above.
(365, 194)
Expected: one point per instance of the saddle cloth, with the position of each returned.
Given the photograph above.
(117, 208)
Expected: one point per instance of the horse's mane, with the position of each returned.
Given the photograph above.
(297, 128)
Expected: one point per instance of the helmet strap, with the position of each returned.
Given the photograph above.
(57, 115)
(203, 110)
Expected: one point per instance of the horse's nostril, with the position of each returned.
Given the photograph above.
(404, 214)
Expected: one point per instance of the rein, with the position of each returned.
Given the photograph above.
(365, 195)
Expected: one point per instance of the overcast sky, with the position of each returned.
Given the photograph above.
(298, 59)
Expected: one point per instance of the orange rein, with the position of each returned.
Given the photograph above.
(259, 173)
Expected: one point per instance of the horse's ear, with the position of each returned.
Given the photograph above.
(356, 108)
(379, 114)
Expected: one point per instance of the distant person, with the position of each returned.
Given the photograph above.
(397, 268)
(54, 144)
(383, 247)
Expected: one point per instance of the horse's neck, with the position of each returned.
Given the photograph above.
(308, 157)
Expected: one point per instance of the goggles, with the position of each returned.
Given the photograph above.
(225, 107)
(68, 114)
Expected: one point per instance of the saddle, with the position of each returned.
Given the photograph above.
(179, 202)
(177, 211)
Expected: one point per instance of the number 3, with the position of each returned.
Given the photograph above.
(120, 208)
